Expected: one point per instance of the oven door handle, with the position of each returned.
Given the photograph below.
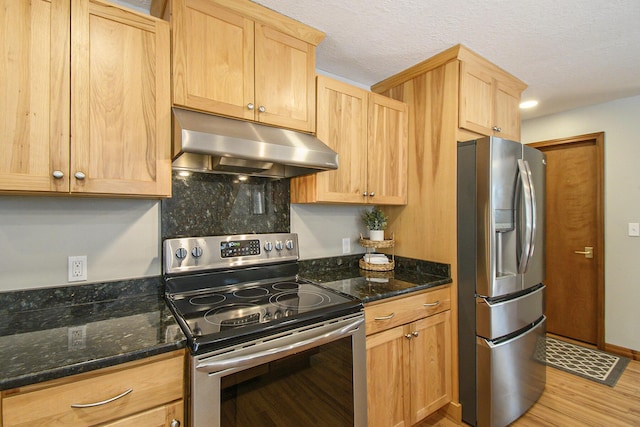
(322, 335)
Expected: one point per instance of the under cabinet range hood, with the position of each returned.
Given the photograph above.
(208, 143)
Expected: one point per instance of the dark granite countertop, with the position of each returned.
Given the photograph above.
(344, 275)
(124, 321)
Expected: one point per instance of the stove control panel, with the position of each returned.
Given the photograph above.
(217, 252)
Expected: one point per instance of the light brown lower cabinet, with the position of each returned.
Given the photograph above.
(408, 364)
(144, 393)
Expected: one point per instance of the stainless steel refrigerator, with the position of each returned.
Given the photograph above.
(501, 205)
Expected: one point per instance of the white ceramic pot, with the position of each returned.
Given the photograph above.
(377, 235)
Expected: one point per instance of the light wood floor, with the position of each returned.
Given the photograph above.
(569, 401)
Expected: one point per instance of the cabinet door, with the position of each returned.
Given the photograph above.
(213, 59)
(160, 416)
(34, 105)
(386, 377)
(507, 111)
(476, 99)
(342, 125)
(120, 111)
(284, 87)
(430, 362)
(387, 151)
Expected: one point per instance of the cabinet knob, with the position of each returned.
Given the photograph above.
(58, 174)
(408, 336)
(79, 175)
(262, 109)
(364, 194)
(414, 333)
(496, 129)
(174, 423)
(372, 194)
(249, 106)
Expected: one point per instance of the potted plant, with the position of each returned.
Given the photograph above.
(376, 222)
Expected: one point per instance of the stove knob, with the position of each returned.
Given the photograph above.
(196, 252)
(181, 253)
(268, 246)
(288, 312)
(266, 317)
(277, 314)
(279, 245)
(289, 244)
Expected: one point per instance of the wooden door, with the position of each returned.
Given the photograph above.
(430, 362)
(386, 377)
(34, 105)
(121, 124)
(387, 151)
(574, 220)
(342, 125)
(476, 99)
(285, 70)
(213, 59)
(506, 111)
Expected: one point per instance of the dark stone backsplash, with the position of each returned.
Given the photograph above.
(205, 204)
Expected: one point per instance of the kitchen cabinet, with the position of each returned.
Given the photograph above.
(149, 393)
(369, 133)
(239, 59)
(434, 89)
(489, 103)
(87, 104)
(408, 358)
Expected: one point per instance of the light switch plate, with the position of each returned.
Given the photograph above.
(634, 229)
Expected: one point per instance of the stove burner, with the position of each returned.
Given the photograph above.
(232, 315)
(207, 299)
(251, 293)
(285, 286)
(299, 299)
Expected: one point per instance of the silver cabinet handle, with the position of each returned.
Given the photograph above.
(414, 333)
(250, 106)
(408, 336)
(79, 175)
(372, 194)
(385, 317)
(262, 109)
(431, 304)
(496, 129)
(58, 174)
(174, 423)
(104, 402)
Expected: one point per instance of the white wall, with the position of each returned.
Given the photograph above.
(620, 121)
(321, 229)
(121, 239)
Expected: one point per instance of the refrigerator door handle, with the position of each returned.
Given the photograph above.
(525, 181)
(534, 209)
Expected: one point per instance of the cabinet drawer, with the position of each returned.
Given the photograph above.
(389, 314)
(153, 383)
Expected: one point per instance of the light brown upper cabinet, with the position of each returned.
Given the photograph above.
(239, 59)
(489, 102)
(369, 133)
(87, 99)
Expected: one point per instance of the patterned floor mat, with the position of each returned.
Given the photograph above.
(592, 364)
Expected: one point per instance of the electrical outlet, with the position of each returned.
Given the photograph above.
(346, 245)
(77, 337)
(77, 268)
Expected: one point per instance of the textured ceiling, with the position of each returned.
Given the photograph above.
(571, 53)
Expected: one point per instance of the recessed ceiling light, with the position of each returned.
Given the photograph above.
(528, 104)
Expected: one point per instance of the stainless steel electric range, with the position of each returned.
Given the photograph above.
(267, 346)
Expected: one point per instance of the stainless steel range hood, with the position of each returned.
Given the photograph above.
(207, 143)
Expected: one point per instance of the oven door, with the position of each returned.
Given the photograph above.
(310, 376)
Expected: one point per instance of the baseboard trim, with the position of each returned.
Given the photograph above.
(622, 351)
(453, 411)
